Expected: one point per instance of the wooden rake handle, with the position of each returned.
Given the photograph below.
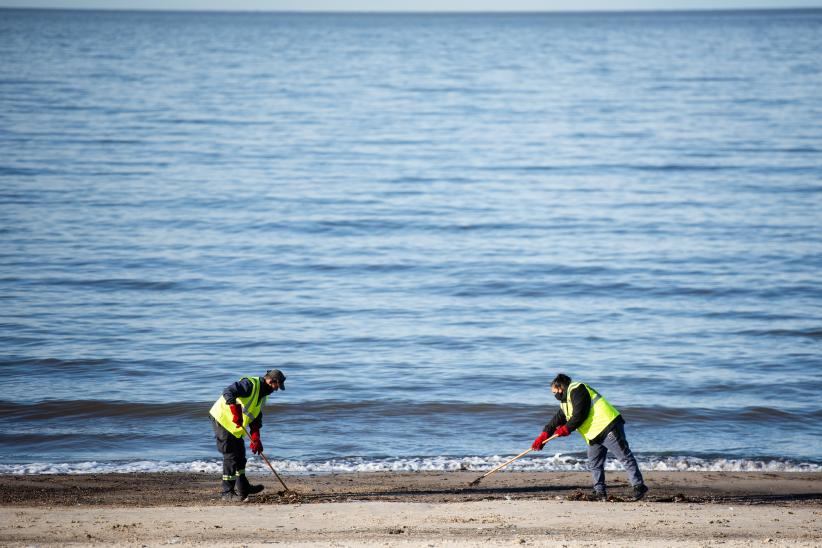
(268, 463)
(506, 463)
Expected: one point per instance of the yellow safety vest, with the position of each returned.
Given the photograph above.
(252, 405)
(599, 417)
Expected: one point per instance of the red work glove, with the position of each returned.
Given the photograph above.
(256, 444)
(540, 441)
(562, 431)
(236, 415)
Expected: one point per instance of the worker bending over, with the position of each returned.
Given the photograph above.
(240, 407)
(583, 409)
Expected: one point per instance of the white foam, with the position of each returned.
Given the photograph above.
(555, 463)
(94, 467)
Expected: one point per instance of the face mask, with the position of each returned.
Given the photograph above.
(558, 395)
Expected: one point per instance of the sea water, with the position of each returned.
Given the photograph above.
(421, 219)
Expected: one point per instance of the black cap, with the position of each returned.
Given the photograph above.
(277, 375)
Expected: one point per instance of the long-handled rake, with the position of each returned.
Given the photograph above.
(287, 490)
(506, 463)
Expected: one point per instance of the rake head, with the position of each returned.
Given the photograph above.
(290, 496)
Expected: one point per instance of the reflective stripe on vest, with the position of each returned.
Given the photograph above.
(601, 414)
(251, 406)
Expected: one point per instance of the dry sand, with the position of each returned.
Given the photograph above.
(415, 509)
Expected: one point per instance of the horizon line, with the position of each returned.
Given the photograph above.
(420, 12)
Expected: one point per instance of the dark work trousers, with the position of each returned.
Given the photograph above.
(233, 450)
(616, 443)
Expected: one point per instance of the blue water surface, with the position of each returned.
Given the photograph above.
(421, 219)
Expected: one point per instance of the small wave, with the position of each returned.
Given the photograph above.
(548, 287)
(812, 333)
(405, 410)
(710, 79)
(116, 284)
(24, 171)
(82, 409)
(554, 463)
(616, 167)
(57, 362)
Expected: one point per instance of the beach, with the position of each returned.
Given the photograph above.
(414, 509)
(420, 219)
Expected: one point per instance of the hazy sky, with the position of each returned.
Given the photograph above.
(412, 5)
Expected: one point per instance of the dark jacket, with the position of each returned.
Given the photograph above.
(242, 389)
(581, 400)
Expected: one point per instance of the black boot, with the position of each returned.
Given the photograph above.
(229, 494)
(244, 488)
(599, 495)
(639, 491)
(228, 487)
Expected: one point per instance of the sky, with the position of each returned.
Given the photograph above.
(413, 5)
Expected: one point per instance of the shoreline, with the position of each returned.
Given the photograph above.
(171, 488)
(414, 509)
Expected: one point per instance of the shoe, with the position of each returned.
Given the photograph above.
(254, 489)
(244, 488)
(599, 495)
(231, 496)
(639, 491)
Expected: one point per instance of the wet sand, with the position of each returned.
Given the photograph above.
(414, 509)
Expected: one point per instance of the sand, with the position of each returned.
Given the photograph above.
(414, 509)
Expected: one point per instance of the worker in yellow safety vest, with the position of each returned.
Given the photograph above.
(236, 412)
(584, 409)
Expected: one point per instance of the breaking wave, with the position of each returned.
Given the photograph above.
(555, 463)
